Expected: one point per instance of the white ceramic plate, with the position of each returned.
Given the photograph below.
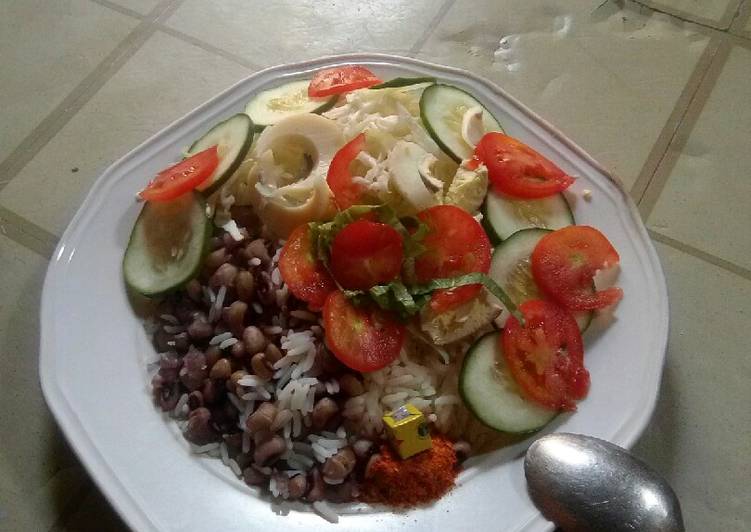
(93, 346)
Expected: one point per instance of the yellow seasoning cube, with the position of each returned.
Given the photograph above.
(408, 430)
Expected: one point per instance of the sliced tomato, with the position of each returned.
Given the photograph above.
(546, 356)
(340, 80)
(362, 338)
(365, 254)
(339, 178)
(456, 244)
(565, 262)
(303, 273)
(181, 177)
(517, 170)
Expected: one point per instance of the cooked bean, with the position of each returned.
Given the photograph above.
(184, 310)
(169, 367)
(234, 316)
(339, 466)
(273, 354)
(215, 242)
(224, 276)
(323, 411)
(257, 249)
(262, 418)
(182, 342)
(200, 328)
(215, 259)
(372, 460)
(253, 477)
(167, 394)
(213, 353)
(282, 418)
(261, 367)
(199, 429)
(194, 369)
(317, 490)
(229, 241)
(268, 451)
(195, 400)
(161, 339)
(236, 376)
(194, 291)
(221, 369)
(463, 450)
(244, 284)
(297, 486)
(211, 391)
(238, 350)
(223, 413)
(254, 339)
(350, 385)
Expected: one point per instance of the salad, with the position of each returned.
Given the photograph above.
(360, 283)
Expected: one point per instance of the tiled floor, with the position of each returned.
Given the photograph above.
(656, 90)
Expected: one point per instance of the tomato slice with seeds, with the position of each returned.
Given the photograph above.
(565, 262)
(340, 80)
(181, 177)
(546, 356)
(362, 338)
(303, 273)
(365, 254)
(339, 178)
(456, 244)
(517, 170)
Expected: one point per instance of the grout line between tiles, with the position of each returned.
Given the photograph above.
(208, 47)
(79, 96)
(120, 9)
(687, 17)
(26, 233)
(674, 121)
(652, 191)
(742, 16)
(699, 254)
(434, 22)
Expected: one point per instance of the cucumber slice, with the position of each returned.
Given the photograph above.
(270, 106)
(403, 82)
(233, 138)
(441, 110)
(492, 395)
(510, 268)
(503, 216)
(167, 244)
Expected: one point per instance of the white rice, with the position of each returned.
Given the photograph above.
(219, 338)
(202, 449)
(255, 261)
(169, 318)
(229, 342)
(326, 511)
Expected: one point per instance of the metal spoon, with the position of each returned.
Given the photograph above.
(585, 484)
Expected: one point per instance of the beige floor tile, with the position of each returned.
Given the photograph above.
(699, 435)
(94, 515)
(141, 6)
(707, 10)
(148, 93)
(706, 201)
(39, 475)
(268, 33)
(606, 77)
(41, 60)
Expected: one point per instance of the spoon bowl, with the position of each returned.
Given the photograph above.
(586, 484)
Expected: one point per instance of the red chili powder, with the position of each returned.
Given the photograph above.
(420, 479)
